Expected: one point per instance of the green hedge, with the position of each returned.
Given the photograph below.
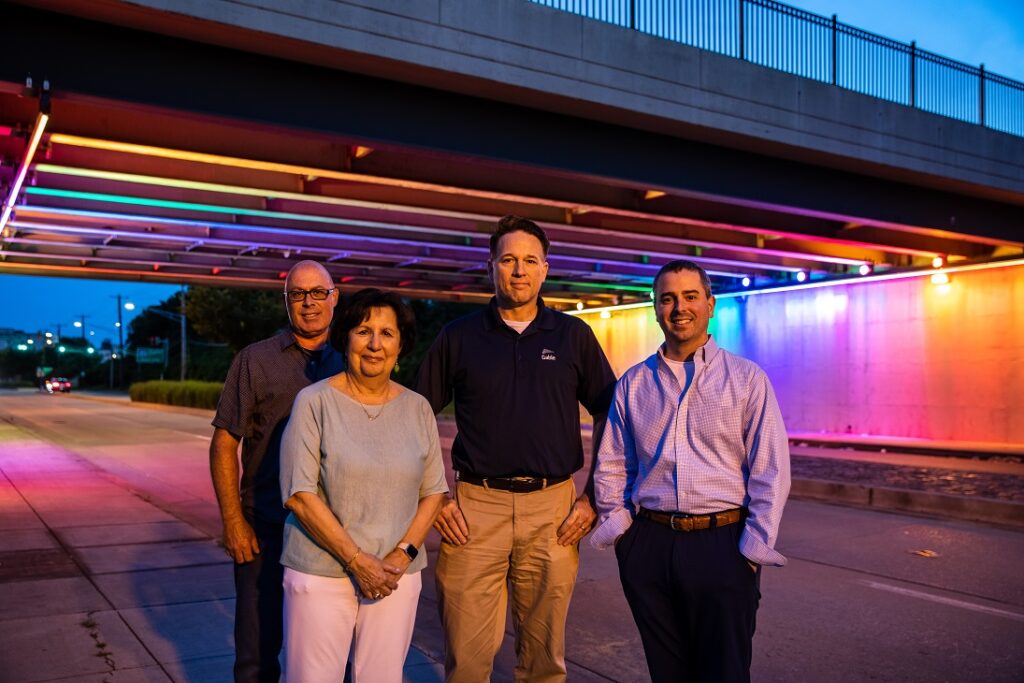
(189, 393)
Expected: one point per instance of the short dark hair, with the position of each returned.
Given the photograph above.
(683, 264)
(357, 309)
(512, 223)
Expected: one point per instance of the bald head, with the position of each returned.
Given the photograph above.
(305, 271)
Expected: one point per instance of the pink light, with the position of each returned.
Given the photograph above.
(19, 179)
(282, 275)
(347, 279)
(215, 271)
(864, 269)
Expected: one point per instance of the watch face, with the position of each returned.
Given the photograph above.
(410, 550)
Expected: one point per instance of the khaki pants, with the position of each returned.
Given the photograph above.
(513, 544)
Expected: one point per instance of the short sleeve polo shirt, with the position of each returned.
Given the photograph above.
(517, 395)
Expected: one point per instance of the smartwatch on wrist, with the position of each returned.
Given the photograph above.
(409, 549)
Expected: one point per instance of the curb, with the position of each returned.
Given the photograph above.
(986, 510)
(165, 407)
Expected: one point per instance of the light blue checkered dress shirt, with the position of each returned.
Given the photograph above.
(719, 444)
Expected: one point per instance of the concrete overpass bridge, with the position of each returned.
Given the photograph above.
(219, 142)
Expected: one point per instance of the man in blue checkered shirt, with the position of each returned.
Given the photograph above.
(691, 479)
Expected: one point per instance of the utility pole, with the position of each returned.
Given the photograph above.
(120, 346)
(184, 340)
(81, 319)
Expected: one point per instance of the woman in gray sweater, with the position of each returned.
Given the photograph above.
(361, 473)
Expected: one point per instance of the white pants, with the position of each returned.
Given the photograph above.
(326, 617)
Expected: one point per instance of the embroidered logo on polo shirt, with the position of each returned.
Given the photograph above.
(548, 354)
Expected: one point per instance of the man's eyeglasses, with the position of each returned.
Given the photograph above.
(297, 295)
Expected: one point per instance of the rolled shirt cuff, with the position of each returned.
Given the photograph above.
(610, 528)
(759, 552)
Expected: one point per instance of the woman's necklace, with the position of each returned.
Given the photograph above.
(370, 416)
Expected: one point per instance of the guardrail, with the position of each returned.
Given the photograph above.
(793, 40)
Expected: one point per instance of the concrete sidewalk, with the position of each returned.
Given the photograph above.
(99, 584)
(111, 571)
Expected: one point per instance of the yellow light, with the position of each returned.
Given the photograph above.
(579, 305)
(653, 194)
(359, 151)
(606, 314)
(940, 279)
(938, 262)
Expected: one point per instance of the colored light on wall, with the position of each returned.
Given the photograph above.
(883, 358)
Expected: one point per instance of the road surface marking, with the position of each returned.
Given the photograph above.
(945, 601)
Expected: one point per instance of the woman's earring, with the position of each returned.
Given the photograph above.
(394, 370)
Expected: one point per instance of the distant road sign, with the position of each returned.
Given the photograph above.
(149, 354)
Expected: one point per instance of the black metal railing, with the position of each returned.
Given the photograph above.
(793, 40)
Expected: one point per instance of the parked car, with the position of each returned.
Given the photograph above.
(58, 384)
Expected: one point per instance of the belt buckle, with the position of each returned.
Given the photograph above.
(521, 484)
(680, 523)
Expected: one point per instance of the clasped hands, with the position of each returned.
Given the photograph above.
(378, 578)
(451, 523)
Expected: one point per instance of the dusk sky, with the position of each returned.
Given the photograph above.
(979, 31)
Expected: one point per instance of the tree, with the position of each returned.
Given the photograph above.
(236, 317)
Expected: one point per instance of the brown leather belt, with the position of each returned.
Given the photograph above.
(512, 484)
(683, 522)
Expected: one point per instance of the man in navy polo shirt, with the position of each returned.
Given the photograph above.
(517, 372)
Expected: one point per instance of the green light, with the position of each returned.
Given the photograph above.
(183, 206)
(22, 347)
(596, 285)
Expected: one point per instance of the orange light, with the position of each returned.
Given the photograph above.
(938, 262)
(653, 194)
(359, 151)
(940, 279)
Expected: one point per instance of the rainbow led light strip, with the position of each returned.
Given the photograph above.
(19, 178)
(274, 167)
(237, 190)
(991, 265)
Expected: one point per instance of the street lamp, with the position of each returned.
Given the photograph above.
(128, 306)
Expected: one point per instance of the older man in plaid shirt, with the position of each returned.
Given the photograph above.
(691, 479)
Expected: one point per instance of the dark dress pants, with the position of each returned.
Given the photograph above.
(694, 599)
(258, 608)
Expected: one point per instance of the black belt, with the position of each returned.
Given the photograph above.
(512, 484)
(683, 522)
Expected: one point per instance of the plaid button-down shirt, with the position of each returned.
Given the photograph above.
(717, 445)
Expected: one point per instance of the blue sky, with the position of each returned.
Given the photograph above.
(972, 31)
(39, 304)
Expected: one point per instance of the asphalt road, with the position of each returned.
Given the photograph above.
(866, 595)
